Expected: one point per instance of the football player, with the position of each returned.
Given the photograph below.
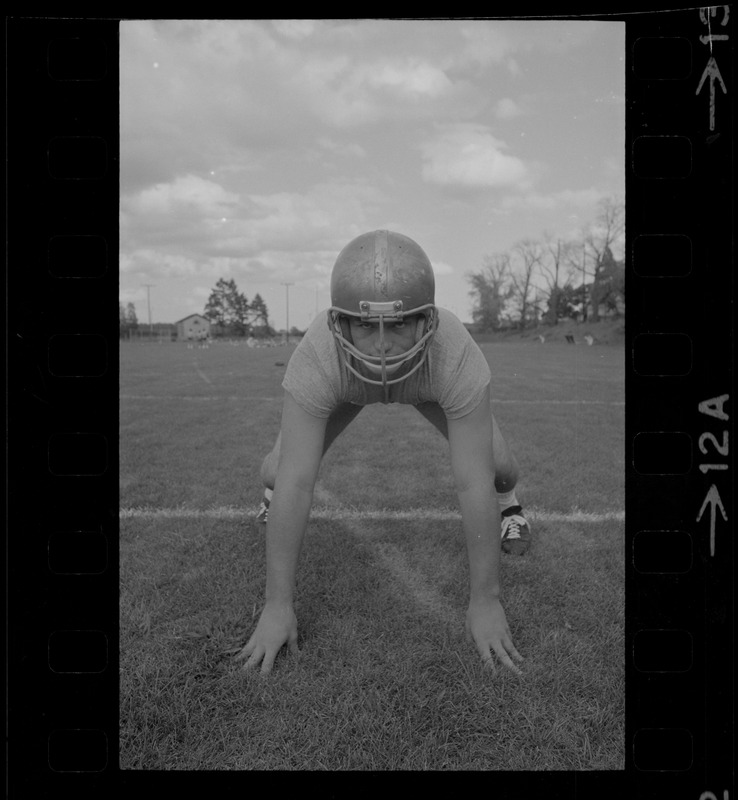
(385, 340)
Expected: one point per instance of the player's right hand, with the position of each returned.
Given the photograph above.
(277, 626)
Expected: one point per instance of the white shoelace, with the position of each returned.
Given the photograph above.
(511, 526)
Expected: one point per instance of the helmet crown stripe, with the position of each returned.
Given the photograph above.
(381, 262)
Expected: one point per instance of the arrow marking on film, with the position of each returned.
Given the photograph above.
(712, 72)
(713, 499)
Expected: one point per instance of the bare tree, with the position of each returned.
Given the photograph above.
(556, 271)
(607, 231)
(604, 238)
(544, 271)
(576, 258)
(600, 239)
(527, 255)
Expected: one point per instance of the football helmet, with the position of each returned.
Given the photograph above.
(380, 276)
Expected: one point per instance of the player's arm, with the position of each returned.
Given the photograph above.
(472, 461)
(301, 450)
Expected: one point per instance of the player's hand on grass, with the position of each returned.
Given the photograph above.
(486, 626)
(277, 626)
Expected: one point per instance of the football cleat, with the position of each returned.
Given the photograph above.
(263, 512)
(515, 531)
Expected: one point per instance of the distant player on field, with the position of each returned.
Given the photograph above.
(384, 340)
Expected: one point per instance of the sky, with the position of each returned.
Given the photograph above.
(255, 150)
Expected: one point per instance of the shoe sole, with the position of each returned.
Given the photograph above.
(515, 552)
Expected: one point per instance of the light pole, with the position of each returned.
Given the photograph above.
(287, 304)
(148, 303)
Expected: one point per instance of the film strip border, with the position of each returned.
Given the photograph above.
(62, 280)
(679, 402)
(62, 370)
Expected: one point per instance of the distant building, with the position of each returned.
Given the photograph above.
(193, 328)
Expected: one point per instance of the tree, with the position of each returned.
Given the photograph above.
(127, 320)
(527, 256)
(608, 230)
(608, 287)
(131, 318)
(555, 268)
(259, 312)
(241, 311)
(490, 289)
(570, 301)
(603, 237)
(540, 274)
(228, 309)
(260, 327)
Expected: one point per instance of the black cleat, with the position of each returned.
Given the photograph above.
(515, 531)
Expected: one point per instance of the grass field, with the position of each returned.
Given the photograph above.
(385, 679)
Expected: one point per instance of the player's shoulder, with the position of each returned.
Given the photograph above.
(318, 324)
(448, 317)
(450, 327)
(317, 347)
(453, 344)
(318, 333)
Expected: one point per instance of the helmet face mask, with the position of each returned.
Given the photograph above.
(382, 277)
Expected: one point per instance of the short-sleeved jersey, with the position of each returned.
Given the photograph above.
(454, 375)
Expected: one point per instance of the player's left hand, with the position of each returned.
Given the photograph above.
(486, 626)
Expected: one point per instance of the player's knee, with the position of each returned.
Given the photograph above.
(269, 471)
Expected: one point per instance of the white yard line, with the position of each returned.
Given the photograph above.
(203, 375)
(276, 398)
(210, 398)
(393, 560)
(559, 402)
(412, 580)
(348, 514)
(406, 576)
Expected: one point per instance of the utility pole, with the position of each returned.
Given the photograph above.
(148, 303)
(287, 304)
(584, 283)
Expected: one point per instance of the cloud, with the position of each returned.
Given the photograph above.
(411, 77)
(507, 109)
(203, 197)
(225, 92)
(150, 263)
(582, 199)
(485, 44)
(468, 155)
(193, 226)
(342, 148)
(346, 90)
